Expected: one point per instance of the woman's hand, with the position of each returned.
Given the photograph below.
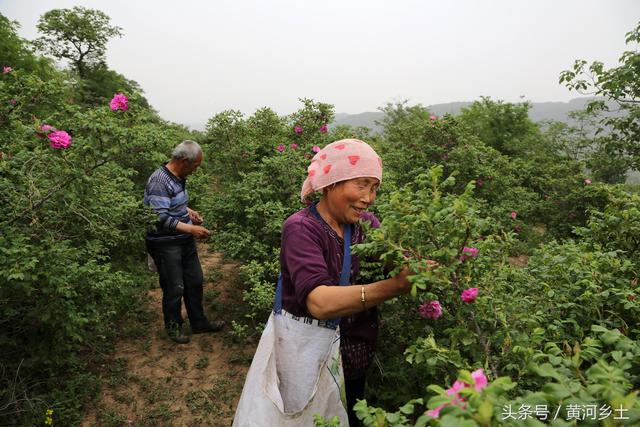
(432, 265)
(402, 280)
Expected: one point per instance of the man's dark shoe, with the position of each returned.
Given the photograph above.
(177, 335)
(208, 327)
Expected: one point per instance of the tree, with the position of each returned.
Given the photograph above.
(16, 52)
(501, 125)
(620, 133)
(100, 83)
(79, 35)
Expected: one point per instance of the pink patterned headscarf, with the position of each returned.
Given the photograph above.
(339, 161)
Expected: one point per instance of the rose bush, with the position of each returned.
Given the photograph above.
(512, 323)
(71, 233)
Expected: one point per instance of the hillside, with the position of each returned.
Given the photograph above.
(539, 111)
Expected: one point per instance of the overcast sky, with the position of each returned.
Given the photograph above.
(195, 58)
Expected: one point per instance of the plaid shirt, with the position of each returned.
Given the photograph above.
(167, 195)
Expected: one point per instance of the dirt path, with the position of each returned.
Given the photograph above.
(152, 381)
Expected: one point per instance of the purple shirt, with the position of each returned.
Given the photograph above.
(311, 255)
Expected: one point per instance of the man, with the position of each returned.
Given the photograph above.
(172, 244)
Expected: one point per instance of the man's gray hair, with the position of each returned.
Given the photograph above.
(186, 150)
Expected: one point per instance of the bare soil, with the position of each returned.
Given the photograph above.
(519, 261)
(152, 381)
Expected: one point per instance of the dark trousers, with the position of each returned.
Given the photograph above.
(180, 277)
(354, 389)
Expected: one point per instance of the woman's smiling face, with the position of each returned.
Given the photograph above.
(347, 200)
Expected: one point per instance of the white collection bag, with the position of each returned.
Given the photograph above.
(296, 373)
(297, 369)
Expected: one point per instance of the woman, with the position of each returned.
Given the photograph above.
(348, 173)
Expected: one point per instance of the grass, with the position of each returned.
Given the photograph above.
(124, 398)
(118, 372)
(111, 418)
(176, 385)
(214, 275)
(158, 415)
(181, 363)
(215, 401)
(206, 346)
(240, 358)
(202, 363)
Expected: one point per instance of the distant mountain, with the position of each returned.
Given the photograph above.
(539, 111)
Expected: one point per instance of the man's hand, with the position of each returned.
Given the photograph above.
(195, 216)
(199, 232)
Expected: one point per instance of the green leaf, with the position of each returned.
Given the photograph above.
(548, 371)
(485, 412)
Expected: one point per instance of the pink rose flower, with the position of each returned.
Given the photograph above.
(6, 70)
(293, 146)
(297, 130)
(469, 295)
(479, 182)
(46, 128)
(454, 390)
(316, 149)
(430, 310)
(119, 102)
(456, 387)
(433, 117)
(435, 413)
(457, 399)
(480, 379)
(468, 253)
(323, 128)
(514, 214)
(59, 139)
(587, 181)
(281, 148)
(13, 101)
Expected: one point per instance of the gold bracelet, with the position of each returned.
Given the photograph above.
(363, 298)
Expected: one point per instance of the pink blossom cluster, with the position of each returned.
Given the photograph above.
(295, 146)
(468, 253)
(299, 129)
(119, 102)
(6, 70)
(587, 181)
(57, 138)
(430, 310)
(480, 382)
(469, 295)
